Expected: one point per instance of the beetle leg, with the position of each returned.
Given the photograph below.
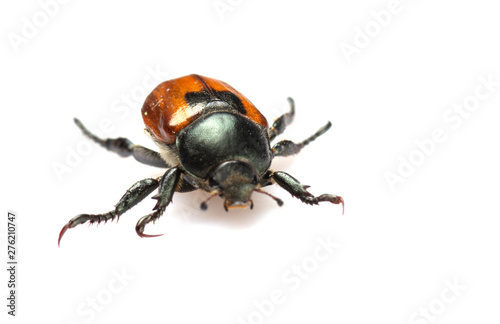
(168, 185)
(298, 190)
(132, 197)
(286, 147)
(124, 147)
(141, 224)
(281, 122)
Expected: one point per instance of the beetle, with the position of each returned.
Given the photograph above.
(210, 137)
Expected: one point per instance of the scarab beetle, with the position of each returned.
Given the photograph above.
(209, 137)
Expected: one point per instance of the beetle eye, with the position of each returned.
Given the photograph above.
(212, 183)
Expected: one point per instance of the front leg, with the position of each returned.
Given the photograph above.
(298, 190)
(168, 185)
(132, 197)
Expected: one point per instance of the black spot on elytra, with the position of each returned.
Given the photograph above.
(204, 97)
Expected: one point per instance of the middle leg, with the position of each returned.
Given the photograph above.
(286, 147)
(124, 147)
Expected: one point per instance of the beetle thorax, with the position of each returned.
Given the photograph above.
(219, 137)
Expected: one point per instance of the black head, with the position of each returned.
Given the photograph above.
(234, 181)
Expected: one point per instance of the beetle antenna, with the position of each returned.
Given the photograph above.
(279, 201)
(203, 205)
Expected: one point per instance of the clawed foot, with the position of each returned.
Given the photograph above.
(141, 224)
(82, 218)
(308, 198)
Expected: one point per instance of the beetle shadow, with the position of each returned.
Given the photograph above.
(188, 209)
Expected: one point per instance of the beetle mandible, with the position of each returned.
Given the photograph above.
(210, 137)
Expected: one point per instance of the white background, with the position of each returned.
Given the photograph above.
(400, 248)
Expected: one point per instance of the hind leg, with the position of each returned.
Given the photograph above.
(282, 122)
